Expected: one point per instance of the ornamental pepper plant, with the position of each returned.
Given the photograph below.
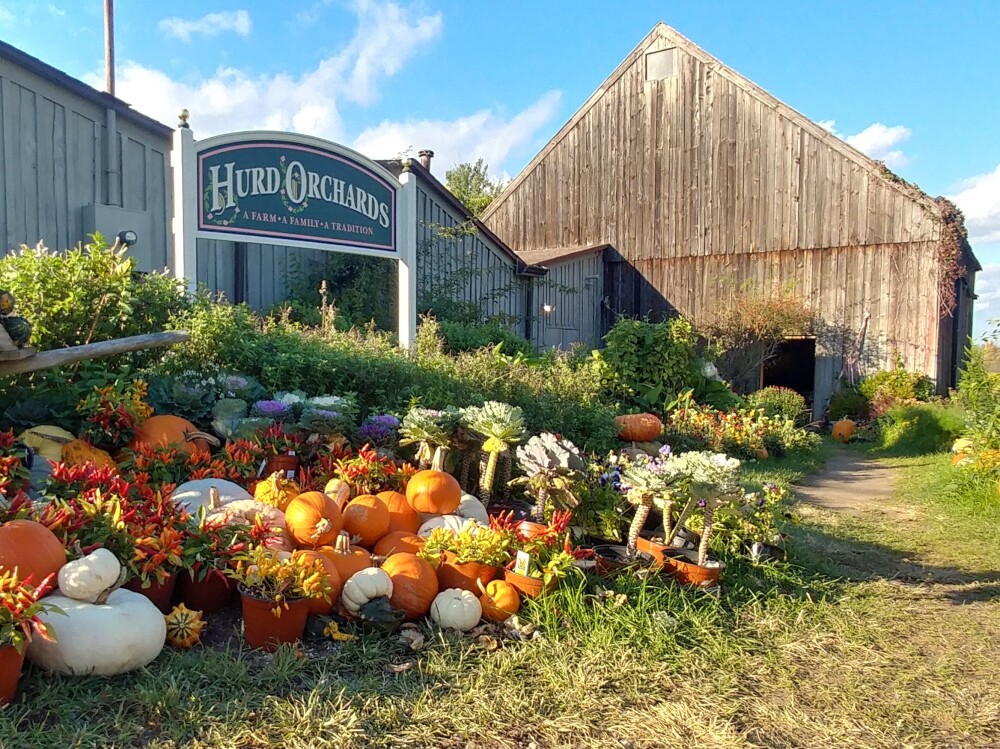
(20, 608)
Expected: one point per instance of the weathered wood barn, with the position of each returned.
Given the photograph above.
(74, 160)
(688, 181)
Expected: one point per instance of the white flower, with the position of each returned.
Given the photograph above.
(328, 401)
(709, 370)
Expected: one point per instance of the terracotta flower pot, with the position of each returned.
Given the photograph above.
(530, 587)
(208, 595)
(287, 464)
(161, 594)
(10, 672)
(528, 530)
(682, 566)
(262, 629)
(612, 559)
(451, 574)
(653, 548)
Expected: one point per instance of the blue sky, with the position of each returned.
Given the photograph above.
(913, 83)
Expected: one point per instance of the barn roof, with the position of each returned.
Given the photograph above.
(559, 254)
(662, 31)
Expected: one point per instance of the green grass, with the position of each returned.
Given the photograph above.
(834, 649)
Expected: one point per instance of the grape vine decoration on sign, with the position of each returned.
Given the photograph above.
(225, 217)
(293, 183)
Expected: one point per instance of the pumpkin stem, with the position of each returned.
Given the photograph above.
(343, 543)
(196, 435)
(102, 597)
(322, 526)
(213, 498)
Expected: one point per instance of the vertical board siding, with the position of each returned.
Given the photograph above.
(470, 264)
(701, 177)
(52, 157)
(574, 288)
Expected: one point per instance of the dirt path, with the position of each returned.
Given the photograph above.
(851, 482)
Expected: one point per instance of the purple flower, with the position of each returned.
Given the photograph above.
(326, 414)
(272, 409)
(665, 451)
(378, 429)
(702, 503)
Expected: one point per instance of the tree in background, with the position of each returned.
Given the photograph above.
(472, 184)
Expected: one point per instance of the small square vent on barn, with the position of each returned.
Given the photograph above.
(660, 64)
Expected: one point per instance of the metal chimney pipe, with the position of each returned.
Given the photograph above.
(109, 46)
(425, 157)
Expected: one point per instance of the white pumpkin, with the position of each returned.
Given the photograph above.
(470, 507)
(456, 609)
(364, 586)
(47, 441)
(454, 523)
(86, 578)
(194, 494)
(338, 490)
(124, 633)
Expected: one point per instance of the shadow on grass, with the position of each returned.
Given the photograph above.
(815, 548)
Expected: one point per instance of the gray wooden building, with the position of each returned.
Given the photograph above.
(75, 160)
(695, 181)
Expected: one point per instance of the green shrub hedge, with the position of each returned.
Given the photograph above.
(554, 391)
(780, 401)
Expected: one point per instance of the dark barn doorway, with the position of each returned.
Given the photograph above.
(793, 366)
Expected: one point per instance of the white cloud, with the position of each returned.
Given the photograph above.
(979, 199)
(877, 141)
(311, 14)
(987, 306)
(386, 37)
(57, 11)
(485, 134)
(213, 24)
(6, 17)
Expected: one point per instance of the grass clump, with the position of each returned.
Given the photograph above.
(919, 428)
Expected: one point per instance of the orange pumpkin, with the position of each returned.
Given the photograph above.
(401, 516)
(500, 600)
(414, 584)
(313, 519)
(638, 427)
(346, 558)
(366, 516)
(319, 605)
(172, 431)
(433, 492)
(956, 459)
(396, 541)
(32, 548)
(844, 430)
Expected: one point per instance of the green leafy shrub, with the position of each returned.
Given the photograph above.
(743, 433)
(645, 363)
(87, 294)
(847, 403)
(897, 385)
(460, 337)
(919, 428)
(555, 392)
(979, 394)
(779, 401)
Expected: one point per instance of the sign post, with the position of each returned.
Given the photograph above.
(289, 190)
